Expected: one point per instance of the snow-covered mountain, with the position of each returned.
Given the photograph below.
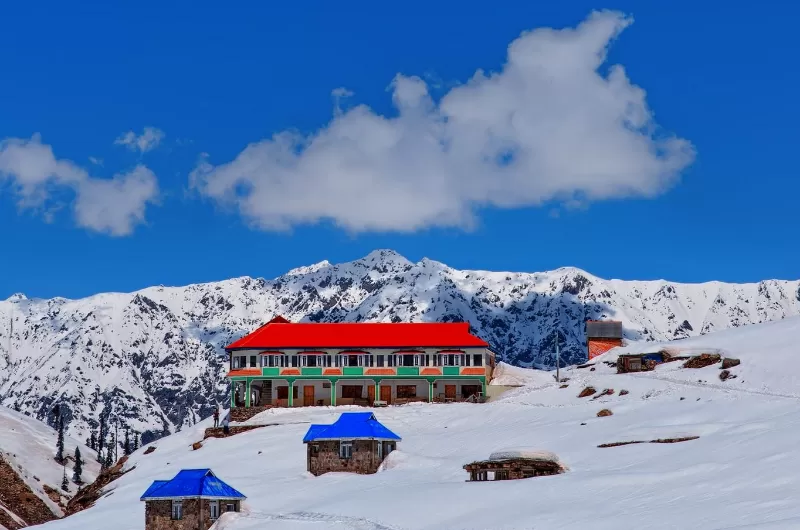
(30, 478)
(152, 356)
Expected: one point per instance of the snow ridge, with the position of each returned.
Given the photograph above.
(152, 356)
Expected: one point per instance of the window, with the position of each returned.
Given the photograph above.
(352, 391)
(477, 360)
(214, 509)
(389, 447)
(406, 391)
(380, 450)
(345, 450)
(283, 392)
(230, 508)
(294, 361)
(253, 361)
(314, 450)
(177, 510)
(379, 360)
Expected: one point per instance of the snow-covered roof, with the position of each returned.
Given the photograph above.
(524, 454)
(191, 483)
(351, 426)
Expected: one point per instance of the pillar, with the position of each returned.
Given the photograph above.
(333, 392)
(233, 394)
(430, 390)
(377, 391)
(247, 394)
(291, 392)
(483, 387)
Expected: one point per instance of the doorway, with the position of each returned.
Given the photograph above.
(308, 396)
(371, 394)
(450, 391)
(386, 394)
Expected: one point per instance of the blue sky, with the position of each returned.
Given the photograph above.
(550, 163)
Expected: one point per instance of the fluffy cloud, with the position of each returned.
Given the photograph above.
(548, 126)
(149, 139)
(113, 206)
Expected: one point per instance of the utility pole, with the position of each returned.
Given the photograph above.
(558, 360)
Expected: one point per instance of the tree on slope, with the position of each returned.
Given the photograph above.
(77, 470)
(109, 457)
(101, 439)
(127, 445)
(60, 442)
(135, 441)
(64, 481)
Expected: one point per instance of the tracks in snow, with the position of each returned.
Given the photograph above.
(351, 523)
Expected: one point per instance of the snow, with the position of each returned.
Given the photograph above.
(154, 355)
(29, 446)
(524, 453)
(742, 471)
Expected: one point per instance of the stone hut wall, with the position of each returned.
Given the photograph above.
(196, 514)
(364, 457)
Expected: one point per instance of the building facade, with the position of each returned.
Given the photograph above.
(602, 335)
(193, 500)
(356, 443)
(284, 364)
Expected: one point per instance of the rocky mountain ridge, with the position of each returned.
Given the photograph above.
(152, 357)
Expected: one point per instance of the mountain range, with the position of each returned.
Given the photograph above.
(152, 358)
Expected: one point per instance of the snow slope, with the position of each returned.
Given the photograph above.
(152, 356)
(29, 447)
(743, 471)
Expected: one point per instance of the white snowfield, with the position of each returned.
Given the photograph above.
(29, 446)
(743, 472)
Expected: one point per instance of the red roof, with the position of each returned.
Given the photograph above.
(278, 334)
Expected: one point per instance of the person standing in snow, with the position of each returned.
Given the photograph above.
(225, 421)
(216, 417)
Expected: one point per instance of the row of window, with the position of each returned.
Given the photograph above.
(380, 360)
(346, 450)
(177, 509)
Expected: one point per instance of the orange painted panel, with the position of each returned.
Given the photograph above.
(244, 372)
(473, 371)
(290, 371)
(431, 371)
(600, 346)
(380, 371)
(332, 371)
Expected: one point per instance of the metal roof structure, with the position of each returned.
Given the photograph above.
(191, 483)
(604, 329)
(279, 333)
(351, 426)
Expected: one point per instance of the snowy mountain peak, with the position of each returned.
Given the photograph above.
(16, 297)
(153, 355)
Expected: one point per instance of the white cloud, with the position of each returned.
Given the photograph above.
(113, 206)
(548, 126)
(148, 140)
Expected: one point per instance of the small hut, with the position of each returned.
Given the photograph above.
(640, 362)
(513, 464)
(194, 498)
(357, 443)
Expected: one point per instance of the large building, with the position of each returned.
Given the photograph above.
(602, 335)
(284, 364)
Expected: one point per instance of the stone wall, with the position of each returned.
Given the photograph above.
(211, 432)
(196, 514)
(364, 457)
(240, 414)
